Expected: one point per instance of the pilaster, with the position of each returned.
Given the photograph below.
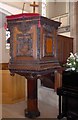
(74, 24)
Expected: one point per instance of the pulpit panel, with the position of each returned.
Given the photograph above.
(48, 45)
(24, 43)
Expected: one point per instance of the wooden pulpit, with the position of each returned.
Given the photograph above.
(33, 52)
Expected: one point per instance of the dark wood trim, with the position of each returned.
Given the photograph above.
(3, 66)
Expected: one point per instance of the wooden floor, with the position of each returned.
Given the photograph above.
(17, 110)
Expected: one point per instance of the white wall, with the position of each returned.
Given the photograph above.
(55, 9)
(0, 68)
(3, 50)
(66, 34)
(0, 37)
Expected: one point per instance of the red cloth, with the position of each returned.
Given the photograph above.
(24, 15)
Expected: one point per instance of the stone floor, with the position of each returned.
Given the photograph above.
(48, 106)
(17, 110)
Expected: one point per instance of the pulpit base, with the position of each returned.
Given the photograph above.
(32, 114)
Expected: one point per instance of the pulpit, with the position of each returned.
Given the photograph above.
(33, 52)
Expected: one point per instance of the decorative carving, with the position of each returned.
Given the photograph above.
(38, 42)
(48, 28)
(24, 26)
(24, 45)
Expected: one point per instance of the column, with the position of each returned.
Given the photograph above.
(74, 24)
(32, 98)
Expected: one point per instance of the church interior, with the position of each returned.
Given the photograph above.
(47, 89)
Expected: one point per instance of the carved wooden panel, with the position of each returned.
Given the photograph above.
(24, 45)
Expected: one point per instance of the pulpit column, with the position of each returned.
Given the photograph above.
(32, 101)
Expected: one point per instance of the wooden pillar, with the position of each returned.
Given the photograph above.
(32, 100)
(58, 80)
